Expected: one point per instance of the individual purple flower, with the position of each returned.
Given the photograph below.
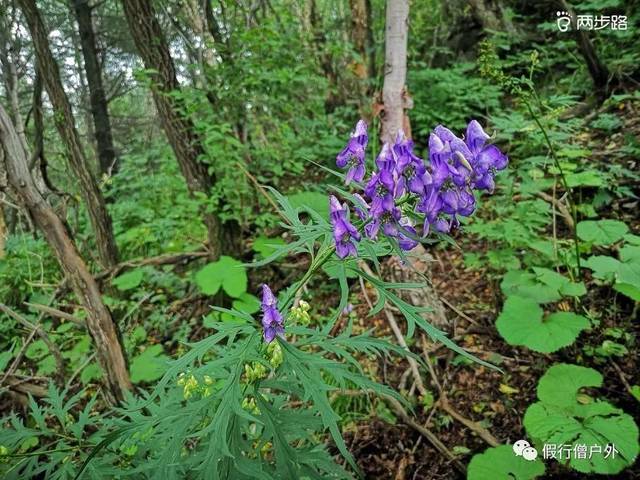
(452, 156)
(411, 171)
(431, 205)
(440, 158)
(386, 164)
(353, 154)
(407, 235)
(466, 202)
(450, 200)
(487, 159)
(272, 321)
(475, 137)
(385, 218)
(345, 234)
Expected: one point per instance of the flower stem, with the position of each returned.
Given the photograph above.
(568, 189)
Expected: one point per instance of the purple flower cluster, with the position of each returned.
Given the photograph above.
(272, 321)
(440, 191)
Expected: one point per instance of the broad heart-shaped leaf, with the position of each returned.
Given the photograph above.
(559, 282)
(266, 246)
(149, 365)
(246, 303)
(604, 267)
(501, 463)
(625, 274)
(90, 372)
(543, 285)
(553, 425)
(316, 201)
(628, 280)
(525, 285)
(128, 280)
(561, 383)
(560, 419)
(521, 323)
(601, 232)
(227, 273)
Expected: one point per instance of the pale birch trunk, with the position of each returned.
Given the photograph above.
(396, 100)
(395, 68)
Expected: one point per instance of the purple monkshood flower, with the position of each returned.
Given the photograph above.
(353, 154)
(386, 164)
(272, 321)
(450, 152)
(440, 158)
(487, 159)
(345, 234)
(432, 206)
(381, 187)
(407, 235)
(387, 217)
(411, 170)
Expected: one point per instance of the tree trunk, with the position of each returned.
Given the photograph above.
(485, 15)
(362, 34)
(394, 93)
(3, 232)
(102, 125)
(197, 17)
(10, 77)
(98, 215)
(396, 101)
(99, 322)
(154, 50)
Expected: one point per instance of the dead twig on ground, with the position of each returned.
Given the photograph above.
(443, 403)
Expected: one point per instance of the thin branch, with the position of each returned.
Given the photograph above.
(56, 313)
(53, 348)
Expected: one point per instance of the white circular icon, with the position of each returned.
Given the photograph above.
(519, 447)
(530, 454)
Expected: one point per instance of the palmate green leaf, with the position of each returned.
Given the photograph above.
(542, 286)
(500, 463)
(604, 267)
(315, 201)
(601, 232)
(228, 273)
(561, 384)
(560, 418)
(521, 322)
(246, 303)
(148, 365)
(290, 462)
(624, 274)
(413, 315)
(128, 280)
(266, 246)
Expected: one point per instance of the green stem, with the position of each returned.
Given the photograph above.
(570, 198)
(320, 260)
